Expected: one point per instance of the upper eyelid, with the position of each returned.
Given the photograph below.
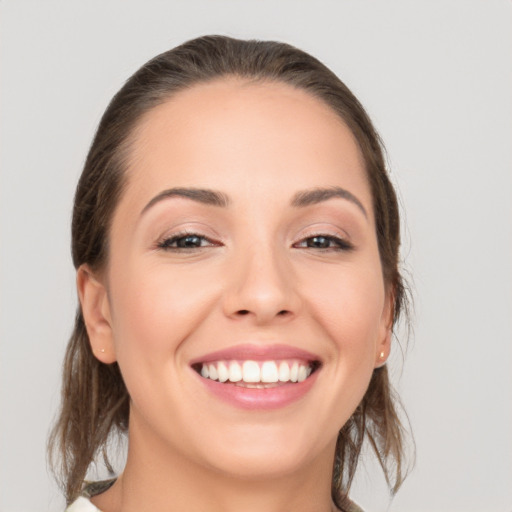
(338, 241)
(166, 242)
(332, 233)
(185, 234)
(197, 229)
(335, 238)
(325, 235)
(205, 231)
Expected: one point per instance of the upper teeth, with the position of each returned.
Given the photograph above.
(256, 371)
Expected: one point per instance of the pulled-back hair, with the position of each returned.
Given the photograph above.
(95, 401)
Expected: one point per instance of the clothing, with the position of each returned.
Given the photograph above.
(83, 504)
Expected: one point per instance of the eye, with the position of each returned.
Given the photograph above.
(185, 241)
(324, 242)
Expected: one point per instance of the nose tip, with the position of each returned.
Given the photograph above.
(262, 289)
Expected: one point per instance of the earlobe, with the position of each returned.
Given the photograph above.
(383, 351)
(383, 347)
(96, 312)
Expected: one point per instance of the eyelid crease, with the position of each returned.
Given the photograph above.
(327, 229)
(341, 243)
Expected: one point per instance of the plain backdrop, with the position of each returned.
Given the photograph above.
(435, 76)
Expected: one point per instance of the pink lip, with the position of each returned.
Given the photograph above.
(257, 353)
(253, 398)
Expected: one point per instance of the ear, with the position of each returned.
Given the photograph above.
(96, 312)
(383, 346)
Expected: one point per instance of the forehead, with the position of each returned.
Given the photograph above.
(233, 134)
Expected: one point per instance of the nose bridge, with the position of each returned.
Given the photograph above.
(262, 284)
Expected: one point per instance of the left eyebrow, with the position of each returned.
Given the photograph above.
(200, 195)
(318, 195)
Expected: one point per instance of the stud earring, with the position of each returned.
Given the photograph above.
(102, 350)
(382, 355)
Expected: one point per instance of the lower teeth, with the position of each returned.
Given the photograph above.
(242, 384)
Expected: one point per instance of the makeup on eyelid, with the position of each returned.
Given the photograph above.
(316, 236)
(190, 241)
(179, 207)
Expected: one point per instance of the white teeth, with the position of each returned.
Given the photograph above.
(284, 372)
(294, 372)
(303, 373)
(269, 372)
(235, 372)
(251, 371)
(223, 372)
(212, 370)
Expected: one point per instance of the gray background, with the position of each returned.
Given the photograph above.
(435, 76)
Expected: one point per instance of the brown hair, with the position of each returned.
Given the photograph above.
(95, 402)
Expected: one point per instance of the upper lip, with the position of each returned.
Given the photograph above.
(257, 353)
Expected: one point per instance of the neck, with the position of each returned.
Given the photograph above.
(159, 479)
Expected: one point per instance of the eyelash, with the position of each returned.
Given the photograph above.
(167, 243)
(335, 243)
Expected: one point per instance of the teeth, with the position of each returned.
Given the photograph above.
(253, 372)
(223, 372)
(269, 372)
(284, 372)
(303, 373)
(235, 372)
(294, 372)
(212, 372)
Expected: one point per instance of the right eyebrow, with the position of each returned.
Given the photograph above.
(318, 195)
(200, 195)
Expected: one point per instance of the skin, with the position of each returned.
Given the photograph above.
(255, 279)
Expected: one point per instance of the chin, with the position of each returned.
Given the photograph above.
(261, 466)
(263, 453)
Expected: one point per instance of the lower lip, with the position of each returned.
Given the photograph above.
(254, 398)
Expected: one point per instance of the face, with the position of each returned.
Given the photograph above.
(243, 297)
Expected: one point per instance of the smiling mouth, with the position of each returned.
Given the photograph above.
(257, 374)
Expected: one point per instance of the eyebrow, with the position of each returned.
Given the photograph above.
(301, 199)
(318, 195)
(200, 195)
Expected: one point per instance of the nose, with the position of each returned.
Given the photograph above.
(262, 287)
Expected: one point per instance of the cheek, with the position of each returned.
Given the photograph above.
(156, 308)
(349, 303)
(346, 303)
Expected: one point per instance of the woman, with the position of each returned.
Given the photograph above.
(236, 242)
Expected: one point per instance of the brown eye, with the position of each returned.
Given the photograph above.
(319, 242)
(189, 241)
(185, 241)
(325, 242)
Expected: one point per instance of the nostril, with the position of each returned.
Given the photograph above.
(245, 312)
